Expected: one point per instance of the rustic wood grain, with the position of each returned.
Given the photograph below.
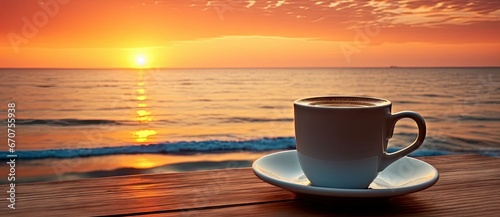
(468, 186)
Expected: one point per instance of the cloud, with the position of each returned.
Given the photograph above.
(142, 23)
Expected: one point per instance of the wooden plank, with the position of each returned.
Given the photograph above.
(464, 179)
(142, 193)
(473, 201)
(461, 191)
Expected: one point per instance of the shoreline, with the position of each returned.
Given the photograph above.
(47, 170)
(53, 169)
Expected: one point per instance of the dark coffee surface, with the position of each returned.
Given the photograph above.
(347, 102)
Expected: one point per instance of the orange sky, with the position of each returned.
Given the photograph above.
(243, 33)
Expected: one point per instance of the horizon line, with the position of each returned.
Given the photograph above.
(329, 67)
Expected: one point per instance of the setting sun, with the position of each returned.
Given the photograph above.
(141, 61)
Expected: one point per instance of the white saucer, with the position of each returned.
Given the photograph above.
(404, 176)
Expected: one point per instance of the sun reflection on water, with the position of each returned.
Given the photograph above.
(143, 114)
(144, 163)
(142, 135)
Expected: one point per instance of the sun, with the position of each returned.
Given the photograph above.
(140, 60)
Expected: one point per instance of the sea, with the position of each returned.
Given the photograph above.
(86, 123)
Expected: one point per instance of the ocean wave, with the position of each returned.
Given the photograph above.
(209, 146)
(194, 147)
(45, 86)
(65, 122)
(268, 107)
(475, 118)
(113, 108)
(430, 95)
(421, 152)
(253, 120)
(405, 102)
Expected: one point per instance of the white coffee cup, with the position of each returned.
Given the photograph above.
(342, 140)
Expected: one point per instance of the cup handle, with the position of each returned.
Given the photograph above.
(389, 158)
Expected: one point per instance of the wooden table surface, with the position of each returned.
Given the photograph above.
(469, 185)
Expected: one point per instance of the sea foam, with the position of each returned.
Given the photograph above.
(183, 148)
